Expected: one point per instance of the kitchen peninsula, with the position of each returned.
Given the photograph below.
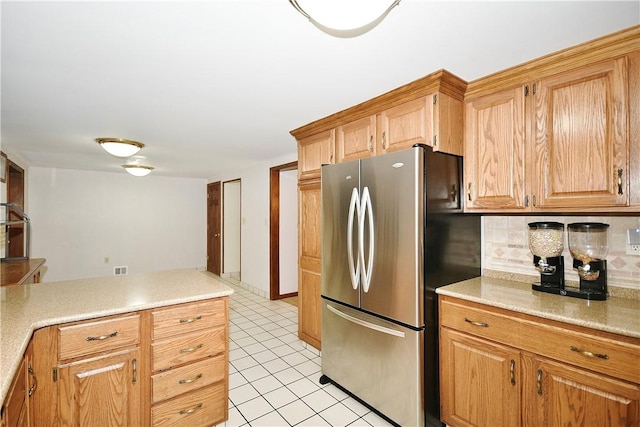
(131, 335)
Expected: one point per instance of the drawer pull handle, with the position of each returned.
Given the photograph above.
(102, 337)
(512, 372)
(539, 382)
(191, 410)
(474, 323)
(190, 380)
(190, 319)
(191, 349)
(134, 365)
(588, 353)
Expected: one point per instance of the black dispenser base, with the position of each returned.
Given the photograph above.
(588, 294)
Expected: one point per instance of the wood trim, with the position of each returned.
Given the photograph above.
(274, 230)
(607, 47)
(441, 81)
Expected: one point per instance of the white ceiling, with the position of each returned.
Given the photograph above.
(212, 87)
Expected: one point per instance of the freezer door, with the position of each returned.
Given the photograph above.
(377, 361)
(339, 219)
(395, 183)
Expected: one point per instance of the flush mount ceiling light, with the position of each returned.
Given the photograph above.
(138, 170)
(120, 147)
(345, 18)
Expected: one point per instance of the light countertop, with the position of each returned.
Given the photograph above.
(25, 308)
(615, 315)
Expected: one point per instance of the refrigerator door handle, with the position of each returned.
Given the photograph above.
(366, 324)
(366, 211)
(354, 265)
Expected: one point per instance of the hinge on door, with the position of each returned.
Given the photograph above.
(435, 140)
(55, 374)
(435, 99)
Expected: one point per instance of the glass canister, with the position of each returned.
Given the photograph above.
(589, 244)
(546, 239)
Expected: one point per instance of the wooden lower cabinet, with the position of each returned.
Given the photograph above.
(557, 394)
(499, 368)
(479, 386)
(164, 367)
(103, 390)
(190, 369)
(15, 411)
(309, 263)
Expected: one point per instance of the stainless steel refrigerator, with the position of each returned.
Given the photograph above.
(392, 231)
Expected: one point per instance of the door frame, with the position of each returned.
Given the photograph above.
(274, 230)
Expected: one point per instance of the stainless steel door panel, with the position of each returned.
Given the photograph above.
(382, 368)
(338, 182)
(396, 184)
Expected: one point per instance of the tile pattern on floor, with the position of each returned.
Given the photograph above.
(274, 377)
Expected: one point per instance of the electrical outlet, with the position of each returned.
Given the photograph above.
(633, 241)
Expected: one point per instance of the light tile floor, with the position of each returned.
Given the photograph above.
(274, 377)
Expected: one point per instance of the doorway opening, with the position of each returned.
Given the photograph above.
(283, 231)
(231, 235)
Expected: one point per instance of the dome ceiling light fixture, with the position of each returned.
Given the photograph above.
(138, 170)
(120, 147)
(345, 18)
(135, 167)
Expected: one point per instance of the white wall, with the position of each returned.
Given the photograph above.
(255, 221)
(79, 218)
(288, 232)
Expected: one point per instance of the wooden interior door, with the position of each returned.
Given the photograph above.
(214, 225)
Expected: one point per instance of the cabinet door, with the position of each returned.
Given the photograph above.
(101, 391)
(556, 394)
(309, 250)
(494, 164)
(448, 127)
(355, 140)
(479, 381)
(14, 411)
(313, 152)
(581, 135)
(405, 125)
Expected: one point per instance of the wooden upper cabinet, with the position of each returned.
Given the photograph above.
(494, 161)
(581, 137)
(405, 125)
(557, 134)
(356, 140)
(313, 152)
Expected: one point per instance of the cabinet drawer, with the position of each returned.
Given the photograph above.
(188, 348)
(171, 383)
(188, 317)
(605, 355)
(205, 407)
(583, 347)
(480, 322)
(100, 335)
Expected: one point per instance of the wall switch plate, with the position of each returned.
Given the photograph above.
(633, 241)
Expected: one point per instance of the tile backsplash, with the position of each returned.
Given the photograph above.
(506, 247)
